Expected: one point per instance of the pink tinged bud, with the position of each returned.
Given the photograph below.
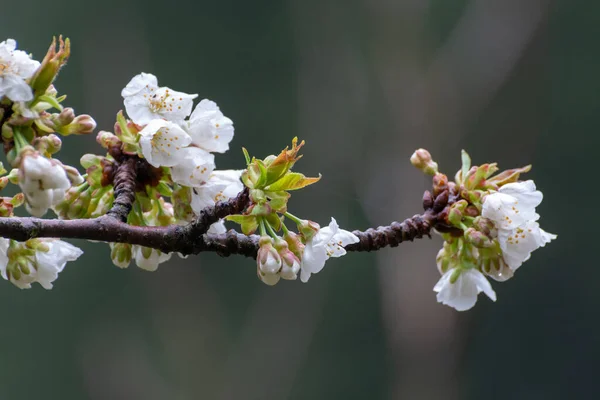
(422, 160)
(478, 239)
(108, 140)
(66, 116)
(486, 226)
(81, 125)
(294, 243)
(308, 229)
(269, 279)
(268, 260)
(440, 184)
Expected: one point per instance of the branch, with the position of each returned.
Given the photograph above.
(189, 239)
(124, 183)
(192, 239)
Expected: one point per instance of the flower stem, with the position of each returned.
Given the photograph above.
(297, 220)
(263, 231)
(271, 231)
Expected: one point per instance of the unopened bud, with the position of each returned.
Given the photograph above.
(51, 64)
(121, 254)
(421, 159)
(478, 239)
(66, 116)
(81, 125)
(74, 176)
(294, 243)
(108, 139)
(268, 260)
(308, 229)
(440, 184)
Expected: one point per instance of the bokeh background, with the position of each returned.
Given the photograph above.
(364, 82)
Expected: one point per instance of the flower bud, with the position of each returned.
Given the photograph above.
(478, 239)
(294, 243)
(51, 64)
(268, 260)
(440, 184)
(269, 279)
(308, 229)
(120, 254)
(66, 116)
(422, 160)
(82, 125)
(108, 140)
(486, 226)
(290, 263)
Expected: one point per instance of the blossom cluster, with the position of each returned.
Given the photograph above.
(167, 146)
(31, 135)
(496, 221)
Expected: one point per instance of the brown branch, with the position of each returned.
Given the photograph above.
(192, 238)
(124, 182)
(189, 239)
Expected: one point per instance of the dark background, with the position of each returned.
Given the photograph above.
(364, 83)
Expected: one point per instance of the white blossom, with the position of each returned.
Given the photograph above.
(512, 209)
(462, 294)
(15, 67)
(144, 101)
(328, 242)
(512, 205)
(194, 167)
(45, 266)
(221, 185)
(163, 143)
(44, 183)
(209, 128)
(518, 243)
(149, 259)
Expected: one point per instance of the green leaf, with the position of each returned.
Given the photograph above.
(248, 223)
(292, 181)
(274, 221)
(466, 164)
(246, 155)
(278, 200)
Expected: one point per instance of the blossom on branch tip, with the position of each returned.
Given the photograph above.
(327, 242)
(15, 67)
(458, 288)
(144, 101)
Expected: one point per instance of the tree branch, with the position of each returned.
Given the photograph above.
(124, 183)
(192, 239)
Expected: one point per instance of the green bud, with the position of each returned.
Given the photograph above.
(51, 64)
(422, 160)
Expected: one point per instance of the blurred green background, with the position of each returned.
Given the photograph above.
(364, 83)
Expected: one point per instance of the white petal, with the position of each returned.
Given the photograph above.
(220, 186)
(462, 294)
(217, 228)
(145, 101)
(194, 168)
(142, 83)
(209, 128)
(313, 260)
(15, 88)
(163, 143)
(518, 244)
(150, 263)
